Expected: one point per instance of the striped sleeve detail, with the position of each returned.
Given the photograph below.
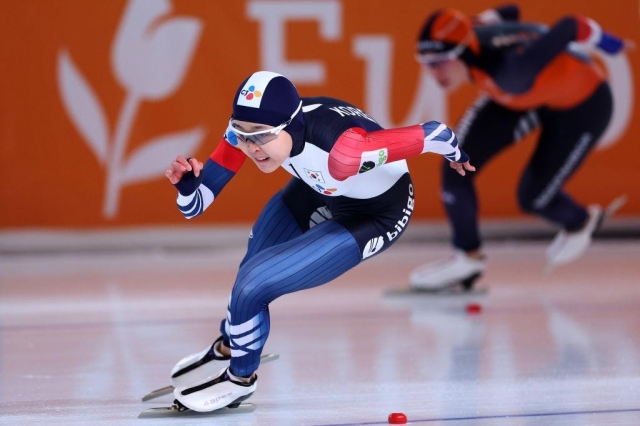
(214, 178)
(440, 139)
(193, 205)
(587, 31)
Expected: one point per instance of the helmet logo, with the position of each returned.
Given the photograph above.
(250, 93)
(430, 45)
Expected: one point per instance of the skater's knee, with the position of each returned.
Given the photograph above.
(252, 291)
(242, 292)
(525, 202)
(527, 192)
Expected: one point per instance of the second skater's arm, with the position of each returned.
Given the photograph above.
(506, 12)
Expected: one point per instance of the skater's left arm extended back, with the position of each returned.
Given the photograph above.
(198, 185)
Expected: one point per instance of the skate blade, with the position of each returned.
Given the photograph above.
(447, 291)
(169, 389)
(158, 393)
(614, 206)
(172, 411)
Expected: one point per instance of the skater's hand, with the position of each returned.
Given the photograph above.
(461, 167)
(180, 166)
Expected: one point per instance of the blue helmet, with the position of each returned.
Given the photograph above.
(266, 97)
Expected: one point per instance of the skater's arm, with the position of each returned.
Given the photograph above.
(507, 12)
(525, 66)
(356, 145)
(199, 185)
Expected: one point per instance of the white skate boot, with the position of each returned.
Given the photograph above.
(461, 270)
(198, 366)
(210, 394)
(569, 246)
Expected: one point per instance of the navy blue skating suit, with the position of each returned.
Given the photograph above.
(350, 197)
(531, 77)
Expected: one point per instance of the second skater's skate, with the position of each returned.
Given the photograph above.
(457, 273)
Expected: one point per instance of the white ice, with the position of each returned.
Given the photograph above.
(84, 335)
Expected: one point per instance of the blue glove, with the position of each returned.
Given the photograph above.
(189, 182)
(463, 157)
(610, 43)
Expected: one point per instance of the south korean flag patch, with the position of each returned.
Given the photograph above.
(314, 176)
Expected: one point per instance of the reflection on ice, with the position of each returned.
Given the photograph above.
(82, 345)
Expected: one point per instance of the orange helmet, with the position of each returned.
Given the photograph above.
(446, 34)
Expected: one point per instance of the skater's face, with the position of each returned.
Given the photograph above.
(449, 74)
(267, 156)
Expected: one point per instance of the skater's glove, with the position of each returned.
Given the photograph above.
(189, 182)
(464, 158)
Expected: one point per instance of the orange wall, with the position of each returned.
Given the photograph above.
(75, 77)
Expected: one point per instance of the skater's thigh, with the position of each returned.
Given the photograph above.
(379, 222)
(486, 128)
(306, 205)
(313, 258)
(353, 230)
(567, 138)
(287, 215)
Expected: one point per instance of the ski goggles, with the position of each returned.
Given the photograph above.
(432, 58)
(261, 137)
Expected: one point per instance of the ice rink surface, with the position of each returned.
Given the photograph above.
(84, 335)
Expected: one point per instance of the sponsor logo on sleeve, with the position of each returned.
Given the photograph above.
(372, 159)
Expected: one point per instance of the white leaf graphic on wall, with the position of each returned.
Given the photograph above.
(150, 160)
(83, 106)
(150, 57)
(150, 54)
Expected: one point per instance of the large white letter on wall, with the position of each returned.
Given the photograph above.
(273, 16)
(429, 103)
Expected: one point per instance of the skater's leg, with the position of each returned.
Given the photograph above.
(358, 230)
(275, 225)
(320, 255)
(287, 215)
(316, 257)
(308, 260)
(568, 137)
(485, 130)
(566, 140)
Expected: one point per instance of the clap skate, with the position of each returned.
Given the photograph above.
(456, 275)
(222, 393)
(569, 246)
(459, 272)
(197, 367)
